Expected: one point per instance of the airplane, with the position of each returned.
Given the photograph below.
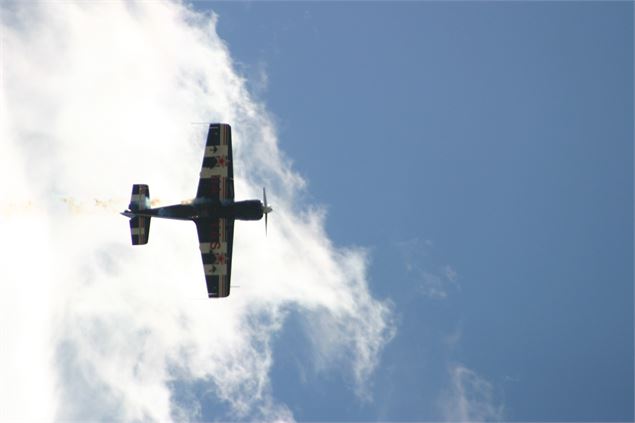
(213, 211)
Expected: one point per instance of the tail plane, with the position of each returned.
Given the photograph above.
(140, 229)
(140, 198)
(139, 225)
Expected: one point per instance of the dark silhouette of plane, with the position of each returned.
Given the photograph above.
(213, 211)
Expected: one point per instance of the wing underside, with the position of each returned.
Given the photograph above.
(215, 237)
(217, 174)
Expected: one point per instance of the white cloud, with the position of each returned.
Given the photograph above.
(97, 96)
(470, 398)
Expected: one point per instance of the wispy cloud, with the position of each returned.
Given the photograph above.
(431, 280)
(470, 398)
(97, 96)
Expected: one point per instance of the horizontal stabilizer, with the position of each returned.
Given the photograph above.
(140, 198)
(140, 229)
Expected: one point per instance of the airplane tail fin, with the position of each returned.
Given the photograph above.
(139, 225)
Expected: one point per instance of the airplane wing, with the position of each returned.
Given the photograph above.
(216, 239)
(217, 173)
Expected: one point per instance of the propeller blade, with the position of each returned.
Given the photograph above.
(266, 209)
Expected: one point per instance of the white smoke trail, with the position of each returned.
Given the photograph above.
(97, 96)
(72, 205)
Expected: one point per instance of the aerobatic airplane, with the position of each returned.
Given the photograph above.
(213, 211)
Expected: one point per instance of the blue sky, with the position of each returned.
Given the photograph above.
(453, 228)
(492, 139)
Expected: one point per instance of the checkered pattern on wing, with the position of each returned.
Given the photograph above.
(217, 174)
(215, 238)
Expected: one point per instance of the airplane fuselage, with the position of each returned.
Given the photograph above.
(202, 208)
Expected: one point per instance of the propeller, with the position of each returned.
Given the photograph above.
(265, 208)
